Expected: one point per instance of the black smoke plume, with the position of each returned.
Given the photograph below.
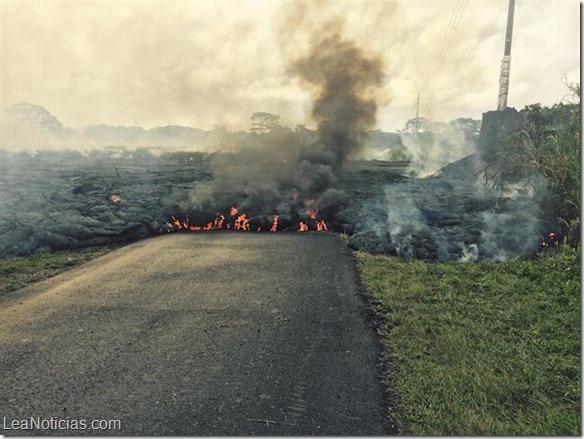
(282, 172)
(345, 106)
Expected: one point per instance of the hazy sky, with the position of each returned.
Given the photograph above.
(202, 63)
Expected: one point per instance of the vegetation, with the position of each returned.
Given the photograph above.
(431, 145)
(469, 128)
(263, 122)
(493, 348)
(21, 271)
(545, 156)
(482, 349)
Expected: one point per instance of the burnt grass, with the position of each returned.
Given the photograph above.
(60, 200)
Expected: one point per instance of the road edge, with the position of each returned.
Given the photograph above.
(394, 422)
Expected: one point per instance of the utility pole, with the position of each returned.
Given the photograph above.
(506, 62)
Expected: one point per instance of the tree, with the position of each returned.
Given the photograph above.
(548, 147)
(470, 127)
(263, 122)
(416, 125)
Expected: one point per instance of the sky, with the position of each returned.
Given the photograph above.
(205, 63)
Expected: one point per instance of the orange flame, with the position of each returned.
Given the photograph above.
(321, 226)
(242, 223)
(274, 227)
(218, 223)
(115, 199)
(551, 240)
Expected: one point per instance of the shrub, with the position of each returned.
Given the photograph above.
(545, 155)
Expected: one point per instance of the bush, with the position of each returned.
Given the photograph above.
(545, 155)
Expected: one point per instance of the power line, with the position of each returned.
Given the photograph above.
(453, 24)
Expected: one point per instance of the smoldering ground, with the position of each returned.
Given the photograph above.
(55, 201)
(280, 171)
(449, 219)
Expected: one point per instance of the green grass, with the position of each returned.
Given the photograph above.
(19, 272)
(481, 349)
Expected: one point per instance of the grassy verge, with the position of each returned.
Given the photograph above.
(19, 272)
(482, 349)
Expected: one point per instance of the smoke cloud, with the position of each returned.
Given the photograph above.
(327, 63)
(205, 63)
(345, 81)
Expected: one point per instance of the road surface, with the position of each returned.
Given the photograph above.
(214, 333)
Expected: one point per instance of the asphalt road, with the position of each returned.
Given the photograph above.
(215, 333)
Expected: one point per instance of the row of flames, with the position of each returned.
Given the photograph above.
(240, 221)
